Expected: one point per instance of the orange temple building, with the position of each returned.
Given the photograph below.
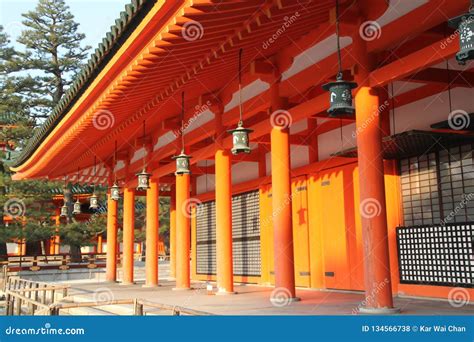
(367, 202)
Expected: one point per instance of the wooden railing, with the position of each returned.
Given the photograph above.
(53, 262)
(37, 298)
(138, 307)
(26, 296)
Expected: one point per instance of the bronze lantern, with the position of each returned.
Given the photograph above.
(143, 180)
(340, 97)
(94, 202)
(464, 24)
(64, 210)
(77, 207)
(115, 192)
(240, 139)
(182, 164)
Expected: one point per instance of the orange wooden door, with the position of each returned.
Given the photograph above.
(336, 249)
(299, 202)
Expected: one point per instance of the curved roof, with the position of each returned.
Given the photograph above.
(119, 32)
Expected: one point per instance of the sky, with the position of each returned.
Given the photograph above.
(94, 16)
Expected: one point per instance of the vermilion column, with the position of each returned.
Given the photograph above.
(111, 263)
(99, 244)
(173, 231)
(372, 190)
(128, 234)
(282, 223)
(225, 273)
(57, 240)
(183, 281)
(152, 226)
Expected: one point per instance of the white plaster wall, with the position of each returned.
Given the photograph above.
(421, 114)
(244, 171)
(205, 183)
(331, 142)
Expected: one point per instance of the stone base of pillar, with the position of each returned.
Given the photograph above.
(379, 311)
(181, 289)
(122, 283)
(225, 293)
(150, 285)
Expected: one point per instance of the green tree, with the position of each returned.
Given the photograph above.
(79, 234)
(53, 52)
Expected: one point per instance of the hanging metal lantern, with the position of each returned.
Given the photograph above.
(182, 164)
(77, 207)
(64, 210)
(115, 192)
(240, 139)
(464, 24)
(340, 97)
(143, 180)
(94, 202)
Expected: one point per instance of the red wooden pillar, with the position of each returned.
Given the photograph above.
(152, 226)
(225, 270)
(173, 231)
(183, 280)
(128, 234)
(111, 263)
(372, 189)
(281, 201)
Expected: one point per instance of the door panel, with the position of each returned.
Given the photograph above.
(299, 191)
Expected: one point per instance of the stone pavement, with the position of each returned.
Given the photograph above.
(249, 300)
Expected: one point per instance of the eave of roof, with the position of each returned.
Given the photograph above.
(119, 32)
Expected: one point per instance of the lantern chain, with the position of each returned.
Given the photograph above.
(240, 88)
(339, 58)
